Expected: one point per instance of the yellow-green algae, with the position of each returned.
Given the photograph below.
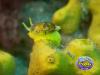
(94, 30)
(68, 17)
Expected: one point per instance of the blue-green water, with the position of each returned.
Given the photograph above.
(21, 66)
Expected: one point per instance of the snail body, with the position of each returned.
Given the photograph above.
(45, 58)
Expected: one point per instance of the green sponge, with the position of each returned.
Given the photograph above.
(84, 47)
(68, 17)
(94, 30)
(7, 63)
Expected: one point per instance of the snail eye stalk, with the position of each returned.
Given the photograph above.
(30, 21)
(26, 27)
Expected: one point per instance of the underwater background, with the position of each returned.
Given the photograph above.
(14, 38)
